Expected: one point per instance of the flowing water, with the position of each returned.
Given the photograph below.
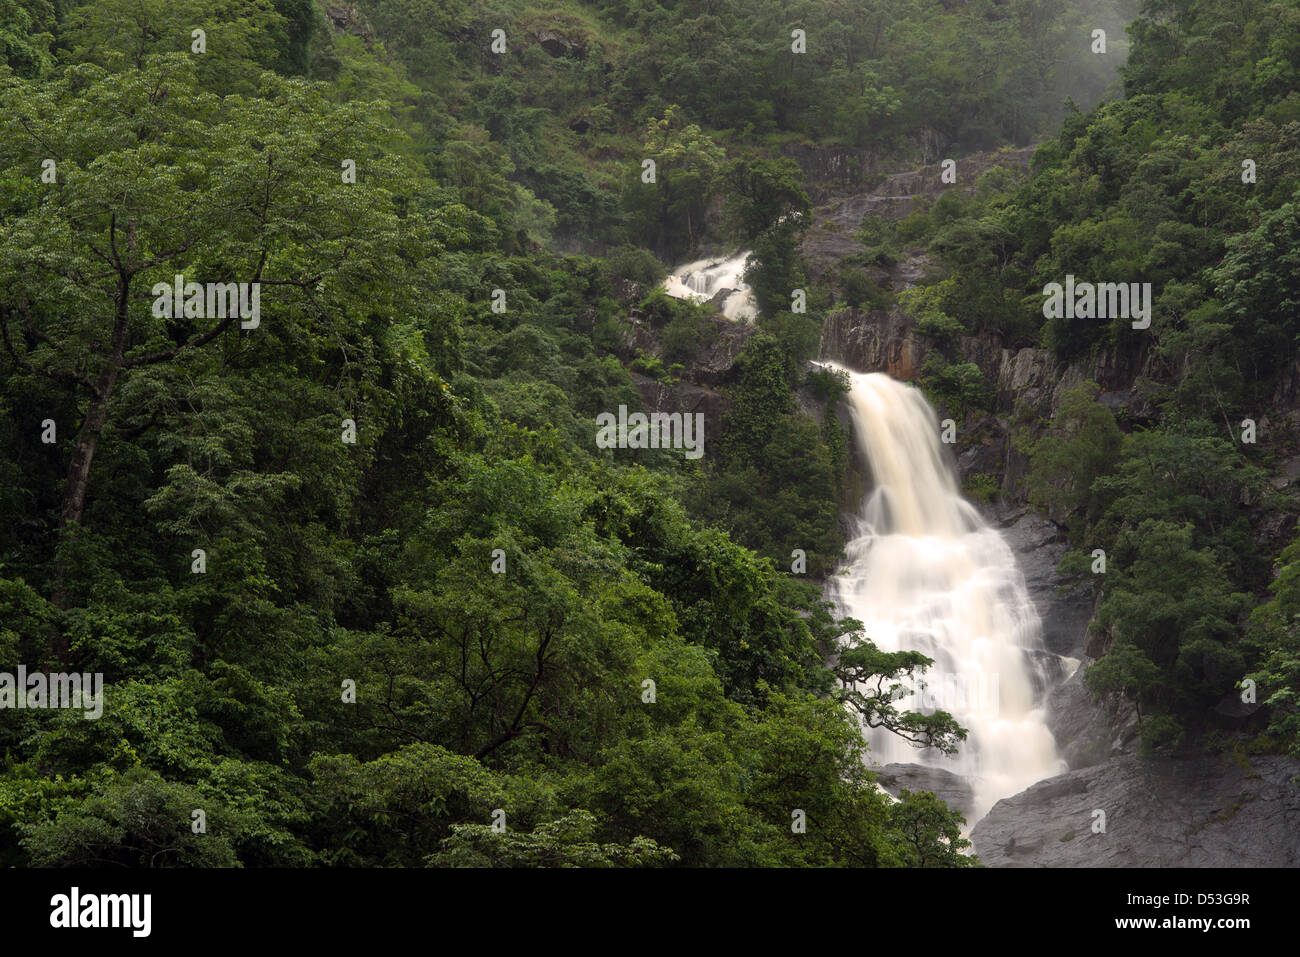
(703, 279)
(926, 573)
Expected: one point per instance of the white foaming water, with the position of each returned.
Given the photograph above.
(701, 281)
(926, 573)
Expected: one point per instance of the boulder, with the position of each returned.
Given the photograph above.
(557, 44)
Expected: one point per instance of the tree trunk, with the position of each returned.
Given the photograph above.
(74, 491)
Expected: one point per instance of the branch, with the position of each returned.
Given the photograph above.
(166, 355)
(60, 375)
(49, 150)
(516, 725)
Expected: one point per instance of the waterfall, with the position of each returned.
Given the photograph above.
(926, 573)
(705, 278)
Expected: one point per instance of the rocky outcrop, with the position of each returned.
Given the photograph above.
(875, 341)
(952, 789)
(559, 44)
(824, 248)
(697, 388)
(1027, 375)
(830, 237)
(637, 338)
(686, 397)
(346, 18)
(713, 363)
(1204, 811)
(1088, 732)
(626, 291)
(831, 168)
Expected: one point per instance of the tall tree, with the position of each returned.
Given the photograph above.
(152, 179)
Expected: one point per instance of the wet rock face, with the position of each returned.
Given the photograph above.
(1039, 544)
(638, 338)
(833, 167)
(824, 247)
(627, 292)
(900, 194)
(1027, 375)
(1087, 732)
(984, 457)
(838, 217)
(711, 364)
(1206, 811)
(697, 390)
(714, 362)
(346, 18)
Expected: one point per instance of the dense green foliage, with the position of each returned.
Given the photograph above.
(619, 82)
(472, 615)
(374, 652)
(1158, 188)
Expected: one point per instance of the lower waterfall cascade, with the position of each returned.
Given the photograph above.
(925, 572)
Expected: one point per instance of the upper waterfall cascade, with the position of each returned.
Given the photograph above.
(703, 279)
